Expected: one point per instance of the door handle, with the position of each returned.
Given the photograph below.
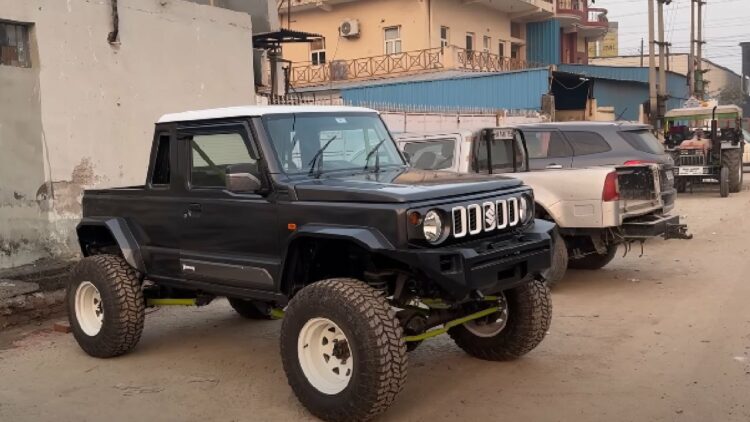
(193, 210)
(554, 166)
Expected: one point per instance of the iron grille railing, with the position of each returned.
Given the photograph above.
(367, 67)
(487, 62)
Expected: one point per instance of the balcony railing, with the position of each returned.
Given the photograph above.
(487, 62)
(367, 67)
(408, 62)
(598, 16)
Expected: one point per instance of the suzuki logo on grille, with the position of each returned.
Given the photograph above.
(475, 218)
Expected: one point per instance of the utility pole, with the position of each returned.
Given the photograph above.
(691, 55)
(662, 94)
(699, 91)
(653, 106)
(641, 51)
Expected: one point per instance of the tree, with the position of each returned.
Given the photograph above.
(732, 94)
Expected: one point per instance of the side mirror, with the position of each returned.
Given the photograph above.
(239, 178)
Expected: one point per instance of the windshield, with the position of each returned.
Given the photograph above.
(643, 140)
(347, 141)
(431, 155)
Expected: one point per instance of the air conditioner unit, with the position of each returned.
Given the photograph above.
(349, 28)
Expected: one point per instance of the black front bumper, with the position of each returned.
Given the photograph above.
(486, 266)
(654, 225)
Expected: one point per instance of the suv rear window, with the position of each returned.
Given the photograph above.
(585, 143)
(431, 155)
(642, 140)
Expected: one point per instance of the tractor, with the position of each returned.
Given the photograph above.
(707, 145)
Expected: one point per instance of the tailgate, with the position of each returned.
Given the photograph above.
(640, 189)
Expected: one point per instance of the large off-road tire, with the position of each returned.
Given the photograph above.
(529, 312)
(559, 264)
(105, 305)
(724, 181)
(732, 159)
(252, 309)
(343, 350)
(594, 261)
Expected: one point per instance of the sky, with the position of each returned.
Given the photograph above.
(726, 23)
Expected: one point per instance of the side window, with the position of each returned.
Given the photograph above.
(502, 156)
(432, 155)
(585, 143)
(161, 173)
(212, 154)
(546, 144)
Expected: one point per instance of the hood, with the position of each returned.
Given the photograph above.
(399, 186)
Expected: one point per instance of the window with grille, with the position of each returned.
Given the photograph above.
(392, 39)
(470, 41)
(444, 36)
(318, 52)
(14, 44)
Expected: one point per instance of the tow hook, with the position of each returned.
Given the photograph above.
(677, 231)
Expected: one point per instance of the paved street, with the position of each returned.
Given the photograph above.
(664, 337)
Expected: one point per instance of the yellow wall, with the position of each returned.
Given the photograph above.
(373, 17)
(418, 30)
(479, 19)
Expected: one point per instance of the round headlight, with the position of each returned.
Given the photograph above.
(525, 209)
(432, 227)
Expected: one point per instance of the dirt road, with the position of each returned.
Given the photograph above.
(665, 337)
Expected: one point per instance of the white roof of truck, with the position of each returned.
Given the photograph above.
(256, 111)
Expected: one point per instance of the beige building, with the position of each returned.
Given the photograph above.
(717, 77)
(608, 46)
(77, 111)
(371, 38)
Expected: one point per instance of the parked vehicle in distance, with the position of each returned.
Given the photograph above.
(560, 145)
(596, 209)
(313, 209)
(707, 144)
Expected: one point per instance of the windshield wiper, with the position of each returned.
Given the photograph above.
(377, 157)
(315, 163)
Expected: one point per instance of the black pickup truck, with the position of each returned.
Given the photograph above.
(312, 213)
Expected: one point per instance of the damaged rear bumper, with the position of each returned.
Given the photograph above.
(666, 226)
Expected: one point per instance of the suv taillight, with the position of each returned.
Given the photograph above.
(638, 162)
(611, 191)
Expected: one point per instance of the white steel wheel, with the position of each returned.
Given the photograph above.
(492, 324)
(489, 326)
(88, 308)
(325, 355)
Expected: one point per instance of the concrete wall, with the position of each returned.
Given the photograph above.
(90, 114)
(264, 13)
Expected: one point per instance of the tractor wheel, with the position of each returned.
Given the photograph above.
(105, 306)
(594, 261)
(724, 181)
(512, 332)
(732, 159)
(343, 350)
(559, 263)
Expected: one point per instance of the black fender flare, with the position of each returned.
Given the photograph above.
(370, 239)
(120, 231)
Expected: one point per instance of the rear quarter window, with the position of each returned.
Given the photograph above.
(586, 143)
(642, 140)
